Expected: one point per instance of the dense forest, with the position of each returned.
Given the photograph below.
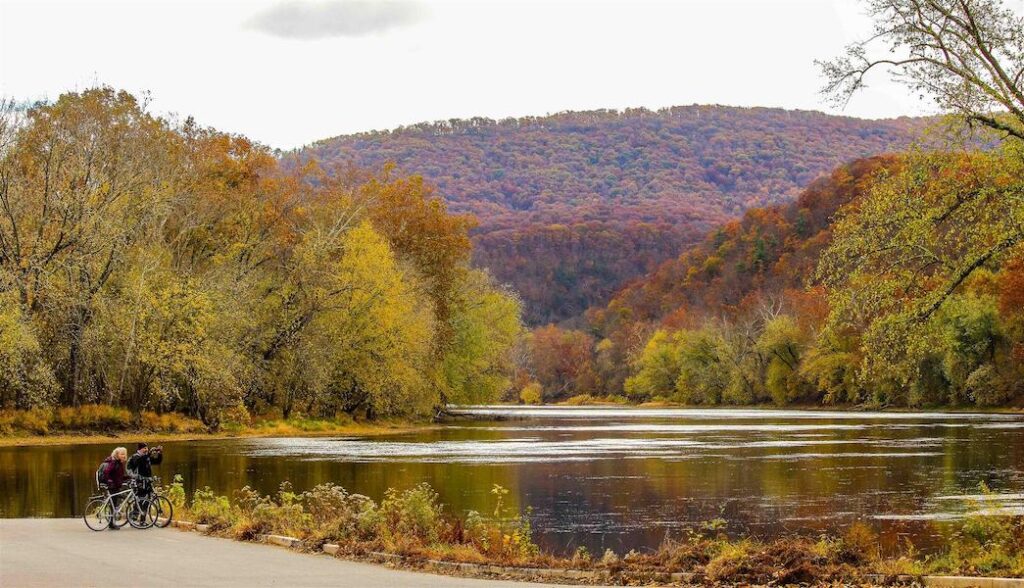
(572, 206)
(831, 299)
(158, 265)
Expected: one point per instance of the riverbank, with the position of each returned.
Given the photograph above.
(619, 401)
(414, 527)
(354, 430)
(111, 425)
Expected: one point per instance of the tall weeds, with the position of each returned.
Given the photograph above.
(414, 522)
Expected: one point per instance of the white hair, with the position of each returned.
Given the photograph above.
(119, 451)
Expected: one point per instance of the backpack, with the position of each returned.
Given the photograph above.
(101, 473)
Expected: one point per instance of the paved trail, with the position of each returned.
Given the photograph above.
(63, 552)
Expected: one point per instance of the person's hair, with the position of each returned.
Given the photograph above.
(141, 445)
(118, 452)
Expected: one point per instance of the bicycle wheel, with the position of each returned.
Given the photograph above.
(165, 511)
(97, 514)
(142, 513)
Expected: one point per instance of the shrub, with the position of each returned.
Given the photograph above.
(170, 422)
(414, 513)
(176, 492)
(285, 516)
(413, 521)
(579, 400)
(35, 421)
(334, 512)
(532, 393)
(95, 417)
(581, 557)
(210, 509)
(860, 543)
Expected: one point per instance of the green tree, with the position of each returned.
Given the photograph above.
(657, 368)
(783, 342)
(26, 380)
(704, 377)
(916, 240)
(485, 327)
(80, 180)
(380, 333)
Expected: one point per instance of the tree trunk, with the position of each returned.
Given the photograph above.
(72, 381)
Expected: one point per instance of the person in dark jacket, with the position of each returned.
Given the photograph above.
(113, 476)
(141, 464)
(140, 467)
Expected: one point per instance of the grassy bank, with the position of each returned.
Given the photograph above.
(611, 400)
(109, 424)
(413, 523)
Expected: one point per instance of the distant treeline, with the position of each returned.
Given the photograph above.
(164, 266)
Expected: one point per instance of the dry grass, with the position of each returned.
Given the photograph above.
(98, 420)
(589, 400)
(99, 423)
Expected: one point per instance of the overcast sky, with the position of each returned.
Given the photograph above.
(290, 72)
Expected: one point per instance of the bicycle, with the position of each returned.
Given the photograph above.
(164, 512)
(104, 510)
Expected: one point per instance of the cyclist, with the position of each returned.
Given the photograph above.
(141, 464)
(112, 476)
(140, 467)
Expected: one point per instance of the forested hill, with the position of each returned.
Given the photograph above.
(573, 205)
(767, 251)
(815, 301)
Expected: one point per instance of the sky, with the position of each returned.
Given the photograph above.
(290, 72)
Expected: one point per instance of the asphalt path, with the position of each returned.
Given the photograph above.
(64, 552)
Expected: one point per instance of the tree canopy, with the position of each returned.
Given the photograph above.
(162, 265)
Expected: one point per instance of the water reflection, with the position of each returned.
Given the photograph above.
(617, 478)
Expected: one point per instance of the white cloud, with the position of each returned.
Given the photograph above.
(297, 19)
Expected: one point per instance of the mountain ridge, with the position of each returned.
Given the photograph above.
(572, 206)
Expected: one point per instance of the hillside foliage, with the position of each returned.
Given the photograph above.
(895, 281)
(582, 202)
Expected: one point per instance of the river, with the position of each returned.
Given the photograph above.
(617, 478)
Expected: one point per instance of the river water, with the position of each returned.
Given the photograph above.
(617, 478)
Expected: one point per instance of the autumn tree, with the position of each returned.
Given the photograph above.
(657, 367)
(562, 361)
(967, 55)
(165, 266)
(26, 379)
(915, 242)
(79, 180)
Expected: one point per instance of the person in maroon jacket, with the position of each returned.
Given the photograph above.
(113, 476)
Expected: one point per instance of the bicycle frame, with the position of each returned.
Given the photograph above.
(122, 505)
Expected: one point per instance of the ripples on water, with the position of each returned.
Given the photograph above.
(620, 477)
(538, 449)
